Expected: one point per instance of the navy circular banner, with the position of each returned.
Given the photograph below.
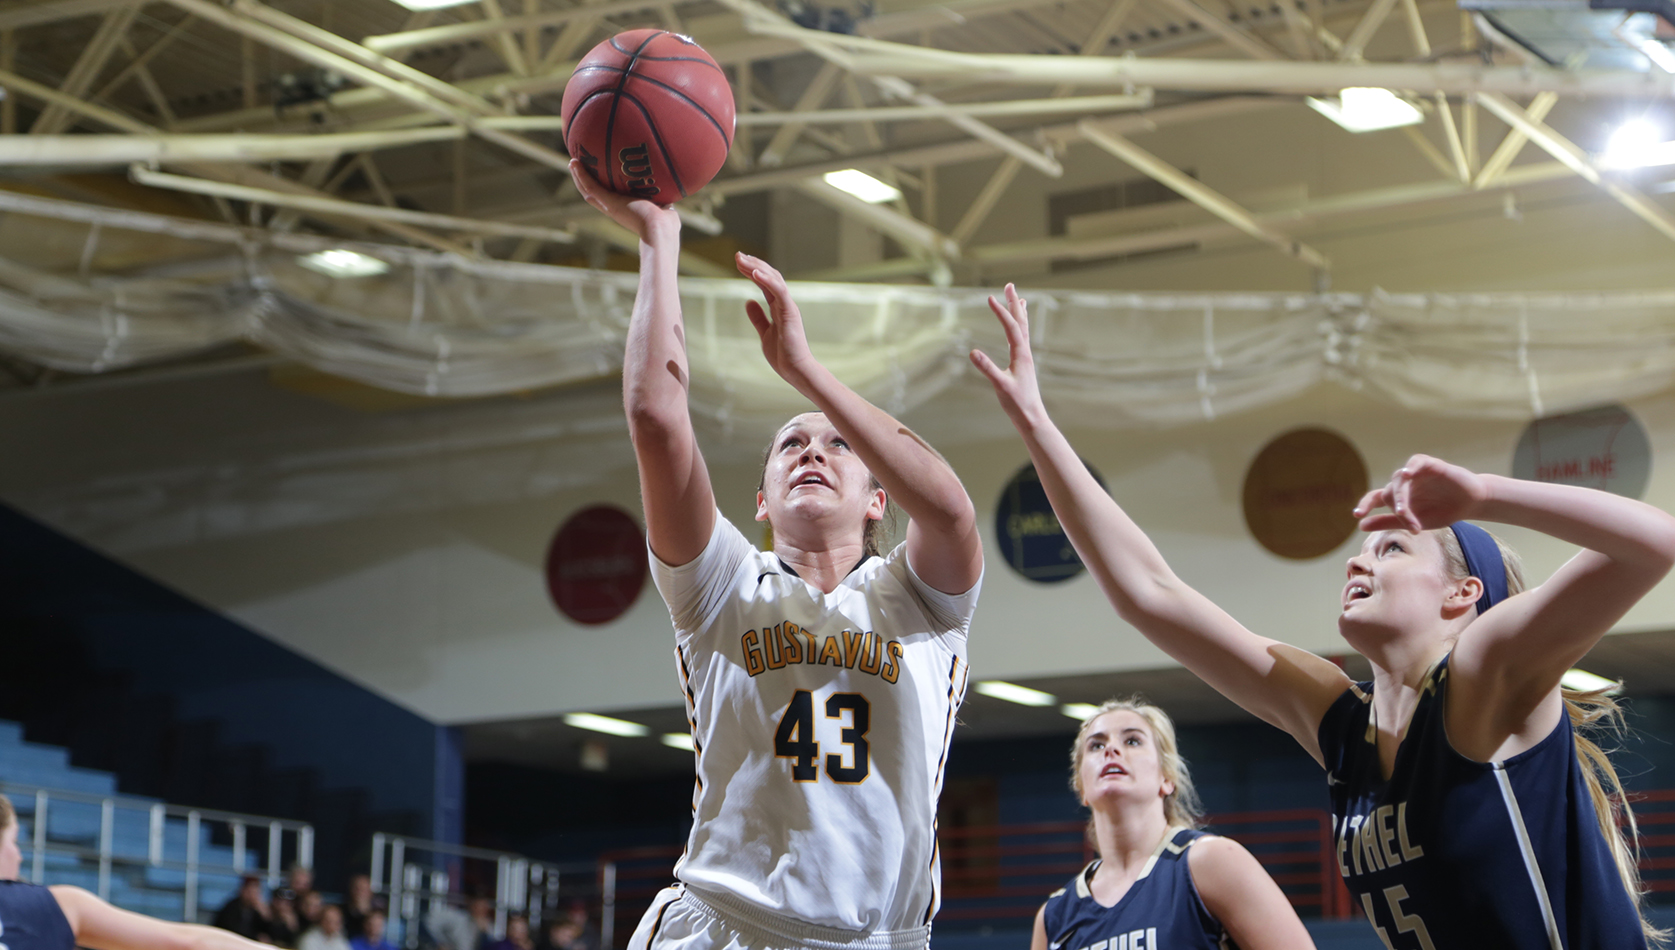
(1031, 540)
(596, 564)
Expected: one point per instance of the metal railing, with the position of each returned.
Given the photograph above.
(37, 805)
(416, 876)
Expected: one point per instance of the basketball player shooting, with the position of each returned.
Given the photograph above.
(821, 677)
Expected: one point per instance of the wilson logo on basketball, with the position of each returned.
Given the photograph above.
(636, 168)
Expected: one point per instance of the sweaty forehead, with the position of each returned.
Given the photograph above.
(804, 421)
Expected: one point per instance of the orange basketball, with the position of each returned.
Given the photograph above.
(650, 114)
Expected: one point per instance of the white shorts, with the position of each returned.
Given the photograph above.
(679, 919)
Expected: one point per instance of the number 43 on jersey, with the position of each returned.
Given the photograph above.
(795, 738)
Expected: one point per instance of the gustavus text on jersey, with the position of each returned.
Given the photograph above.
(773, 648)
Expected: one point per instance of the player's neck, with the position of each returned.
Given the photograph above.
(824, 568)
(1127, 837)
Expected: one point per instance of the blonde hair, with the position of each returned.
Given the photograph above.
(1181, 807)
(8, 814)
(1590, 711)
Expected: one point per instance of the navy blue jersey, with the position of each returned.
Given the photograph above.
(30, 919)
(1161, 911)
(1451, 854)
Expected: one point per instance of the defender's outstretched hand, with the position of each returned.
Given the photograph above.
(1019, 393)
(636, 214)
(780, 326)
(1425, 493)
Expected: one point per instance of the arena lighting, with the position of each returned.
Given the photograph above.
(616, 727)
(1013, 693)
(862, 185)
(341, 262)
(678, 740)
(1584, 682)
(1364, 109)
(1637, 143)
(432, 4)
(1079, 711)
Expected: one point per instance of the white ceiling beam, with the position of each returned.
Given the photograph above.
(1204, 196)
(1082, 104)
(1358, 38)
(108, 117)
(98, 51)
(879, 57)
(886, 220)
(16, 16)
(1232, 35)
(484, 29)
(350, 209)
(1089, 248)
(74, 150)
(810, 100)
(1514, 142)
(1579, 162)
(760, 20)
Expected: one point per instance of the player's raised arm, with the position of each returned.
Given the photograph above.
(1286, 686)
(942, 542)
(1508, 661)
(674, 484)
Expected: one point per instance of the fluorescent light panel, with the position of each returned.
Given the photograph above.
(432, 4)
(1013, 693)
(1364, 109)
(1583, 681)
(615, 727)
(678, 740)
(1079, 711)
(862, 185)
(1637, 143)
(341, 262)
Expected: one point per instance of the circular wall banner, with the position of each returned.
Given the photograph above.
(1299, 492)
(1604, 447)
(1031, 540)
(596, 564)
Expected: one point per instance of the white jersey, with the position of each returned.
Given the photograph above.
(821, 724)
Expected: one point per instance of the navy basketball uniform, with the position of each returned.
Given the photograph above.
(31, 920)
(1161, 911)
(1449, 853)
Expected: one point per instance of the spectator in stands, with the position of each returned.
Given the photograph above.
(309, 906)
(371, 936)
(284, 926)
(246, 913)
(517, 935)
(328, 934)
(579, 931)
(449, 928)
(482, 916)
(360, 903)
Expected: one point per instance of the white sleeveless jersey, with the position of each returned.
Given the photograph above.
(821, 724)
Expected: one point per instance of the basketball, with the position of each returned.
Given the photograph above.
(650, 115)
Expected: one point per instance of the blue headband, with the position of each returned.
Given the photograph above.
(1483, 561)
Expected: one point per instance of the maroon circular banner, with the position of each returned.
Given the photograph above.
(596, 564)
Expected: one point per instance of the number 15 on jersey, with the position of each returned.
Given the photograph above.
(797, 737)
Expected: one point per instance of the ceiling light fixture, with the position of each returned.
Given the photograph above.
(1013, 693)
(615, 727)
(1079, 711)
(342, 262)
(678, 740)
(1584, 682)
(1637, 143)
(1364, 109)
(432, 4)
(862, 185)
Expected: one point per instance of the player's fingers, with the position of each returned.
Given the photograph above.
(1368, 502)
(987, 367)
(758, 317)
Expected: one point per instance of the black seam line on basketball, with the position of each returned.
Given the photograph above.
(651, 124)
(610, 117)
(693, 103)
(642, 45)
(578, 111)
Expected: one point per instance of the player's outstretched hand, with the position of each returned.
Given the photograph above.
(645, 219)
(1019, 393)
(1425, 493)
(781, 325)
